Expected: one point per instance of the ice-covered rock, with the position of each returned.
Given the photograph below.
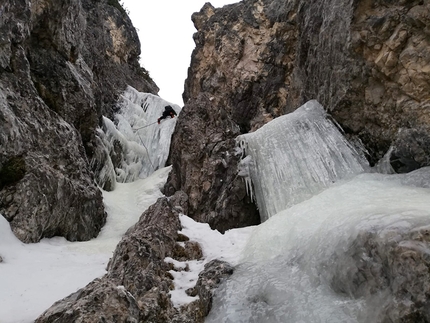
(62, 66)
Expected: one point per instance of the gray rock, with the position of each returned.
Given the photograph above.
(410, 150)
(209, 279)
(206, 170)
(258, 59)
(62, 66)
(137, 284)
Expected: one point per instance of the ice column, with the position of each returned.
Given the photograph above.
(295, 156)
(135, 143)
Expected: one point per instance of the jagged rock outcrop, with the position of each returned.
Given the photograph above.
(137, 284)
(209, 279)
(391, 264)
(62, 65)
(365, 61)
(206, 169)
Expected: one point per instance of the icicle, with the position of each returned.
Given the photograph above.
(296, 156)
(136, 144)
(244, 171)
(107, 172)
(384, 166)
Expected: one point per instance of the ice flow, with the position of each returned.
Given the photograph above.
(135, 144)
(295, 156)
(327, 252)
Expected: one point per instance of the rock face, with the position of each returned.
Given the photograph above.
(370, 69)
(366, 62)
(137, 284)
(62, 65)
(206, 169)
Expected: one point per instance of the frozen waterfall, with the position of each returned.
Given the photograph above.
(339, 244)
(294, 157)
(135, 145)
(321, 260)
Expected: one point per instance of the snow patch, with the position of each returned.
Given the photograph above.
(215, 245)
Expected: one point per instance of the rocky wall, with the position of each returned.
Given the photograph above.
(62, 65)
(365, 61)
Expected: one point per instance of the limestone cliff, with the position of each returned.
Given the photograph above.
(367, 62)
(62, 65)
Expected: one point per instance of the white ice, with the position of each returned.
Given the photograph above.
(145, 144)
(310, 186)
(294, 157)
(286, 268)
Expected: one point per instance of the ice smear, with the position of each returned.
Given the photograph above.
(295, 157)
(287, 267)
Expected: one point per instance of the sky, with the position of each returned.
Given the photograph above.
(166, 35)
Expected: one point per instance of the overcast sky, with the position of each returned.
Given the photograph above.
(166, 35)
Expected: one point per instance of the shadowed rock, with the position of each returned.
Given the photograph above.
(365, 62)
(62, 65)
(137, 284)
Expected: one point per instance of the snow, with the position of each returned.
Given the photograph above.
(34, 276)
(227, 247)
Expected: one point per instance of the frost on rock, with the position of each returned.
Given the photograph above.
(294, 157)
(134, 144)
